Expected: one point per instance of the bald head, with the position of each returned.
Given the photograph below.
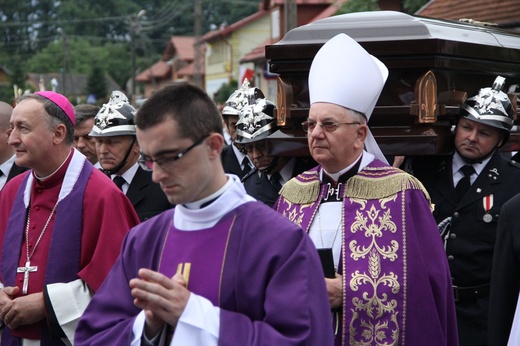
(5, 115)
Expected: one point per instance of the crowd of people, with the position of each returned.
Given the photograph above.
(124, 226)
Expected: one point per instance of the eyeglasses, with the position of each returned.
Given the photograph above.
(327, 126)
(165, 161)
(260, 146)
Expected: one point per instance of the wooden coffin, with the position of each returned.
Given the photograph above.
(434, 65)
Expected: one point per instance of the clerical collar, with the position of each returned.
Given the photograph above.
(342, 176)
(211, 198)
(55, 177)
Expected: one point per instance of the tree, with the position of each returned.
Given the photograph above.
(412, 6)
(97, 83)
(100, 29)
(225, 91)
(359, 6)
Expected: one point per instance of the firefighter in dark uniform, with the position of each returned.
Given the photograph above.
(255, 123)
(467, 190)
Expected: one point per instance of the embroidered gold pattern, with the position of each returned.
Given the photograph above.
(373, 225)
(374, 310)
(295, 212)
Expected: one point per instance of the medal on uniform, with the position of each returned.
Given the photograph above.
(488, 204)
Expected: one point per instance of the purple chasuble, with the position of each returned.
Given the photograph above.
(395, 274)
(271, 291)
(199, 256)
(63, 261)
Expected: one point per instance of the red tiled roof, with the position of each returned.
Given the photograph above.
(184, 47)
(330, 11)
(161, 69)
(492, 11)
(189, 70)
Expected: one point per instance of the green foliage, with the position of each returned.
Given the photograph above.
(97, 83)
(359, 6)
(40, 37)
(412, 6)
(225, 91)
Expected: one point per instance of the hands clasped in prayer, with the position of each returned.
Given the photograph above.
(163, 299)
(20, 311)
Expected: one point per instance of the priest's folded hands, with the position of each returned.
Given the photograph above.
(163, 299)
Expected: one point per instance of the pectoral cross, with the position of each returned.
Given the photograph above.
(26, 270)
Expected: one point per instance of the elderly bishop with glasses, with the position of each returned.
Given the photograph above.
(386, 272)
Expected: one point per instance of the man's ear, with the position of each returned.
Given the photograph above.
(60, 133)
(361, 135)
(216, 143)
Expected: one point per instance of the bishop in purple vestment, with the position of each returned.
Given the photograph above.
(390, 282)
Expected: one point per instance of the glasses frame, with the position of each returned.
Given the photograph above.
(256, 146)
(143, 162)
(328, 126)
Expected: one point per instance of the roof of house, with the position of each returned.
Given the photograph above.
(258, 53)
(227, 30)
(491, 11)
(330, 11)
(181, 46)
(161, 69)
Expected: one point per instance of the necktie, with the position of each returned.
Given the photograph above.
(1, 173)
(245, 163)
(464, 183)
(119, 181)
(275, 181)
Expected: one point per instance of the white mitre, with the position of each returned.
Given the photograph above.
(343, 73)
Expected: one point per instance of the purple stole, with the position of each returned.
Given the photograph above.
(199, 256)
(374, 258)
(64, 255)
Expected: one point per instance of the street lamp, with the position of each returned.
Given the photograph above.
(134, 28)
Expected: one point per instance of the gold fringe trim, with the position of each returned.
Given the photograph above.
(380, 183)
(367, 187)
(298, 192)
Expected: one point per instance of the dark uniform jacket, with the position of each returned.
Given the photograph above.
(15, 170)
(471, 237)
(263, 190)
(505, 280)
(230, 161)
(146, 196)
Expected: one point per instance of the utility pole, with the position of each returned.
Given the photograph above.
(290, 15)
(66, 64)
(197, 29)
(134, 29)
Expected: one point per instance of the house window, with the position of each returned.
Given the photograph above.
(218, 53)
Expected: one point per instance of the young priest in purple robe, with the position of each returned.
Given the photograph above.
(218, 269)
(392, 283)
(61, 225)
